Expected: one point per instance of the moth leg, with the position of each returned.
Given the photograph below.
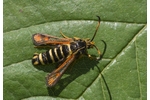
(90, 56)
(98, 51)
(63, 35)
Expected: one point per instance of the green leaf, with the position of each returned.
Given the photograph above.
(120, 74)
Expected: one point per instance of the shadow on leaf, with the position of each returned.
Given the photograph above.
(78, 68)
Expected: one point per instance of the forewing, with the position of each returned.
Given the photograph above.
(43, 40)
(54, 77)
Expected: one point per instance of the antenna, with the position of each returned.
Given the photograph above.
(96, 28)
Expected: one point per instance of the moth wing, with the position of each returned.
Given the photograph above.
(55, 76)
(44, 39)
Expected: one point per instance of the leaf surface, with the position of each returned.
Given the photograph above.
(120, 74)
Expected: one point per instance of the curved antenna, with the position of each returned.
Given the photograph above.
(101, 55)
(96, 28)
